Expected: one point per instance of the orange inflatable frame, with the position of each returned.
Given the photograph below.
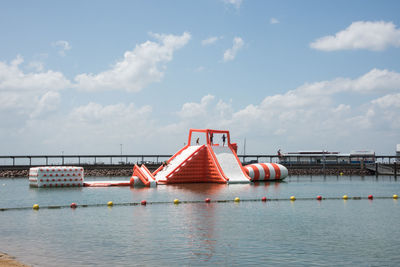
(202, 165)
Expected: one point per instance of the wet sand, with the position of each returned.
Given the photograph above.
(9, 261)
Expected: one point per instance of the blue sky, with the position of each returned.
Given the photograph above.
(86, 76)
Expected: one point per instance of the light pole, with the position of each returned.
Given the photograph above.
(121, 152)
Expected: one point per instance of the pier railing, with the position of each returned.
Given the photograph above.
(98, 160)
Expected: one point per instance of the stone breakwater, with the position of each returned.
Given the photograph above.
(14, 173)
(347, 172)
(127, 172)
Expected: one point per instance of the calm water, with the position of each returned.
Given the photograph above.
(278, 233)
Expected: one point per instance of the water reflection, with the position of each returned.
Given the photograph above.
(201, 230)
(200, 189)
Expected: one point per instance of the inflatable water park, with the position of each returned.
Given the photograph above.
(202, 160)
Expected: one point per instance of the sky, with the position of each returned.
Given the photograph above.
(92, 77)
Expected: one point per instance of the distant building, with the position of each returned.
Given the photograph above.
(314, 157)
(327, 157)
(367, 156)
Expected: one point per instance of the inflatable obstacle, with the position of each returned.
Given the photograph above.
(61, 176)
(65, 176)
(106, 183)
(142, 176)
(266, 171)
(208, 157)
(203, 160)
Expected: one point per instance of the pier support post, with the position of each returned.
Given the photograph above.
(395, 169)
(376, 168)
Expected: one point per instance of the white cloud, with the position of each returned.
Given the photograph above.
(25, 91)
(143, 65)
(311, 116)
(388, 101)
(234, 3)
(193, 110)
(315, 115)
(230, 53)
(383, 115)
(370, 35)
(94, 114)
(210, 40)
(12, 78)
(273, 21)
(46, 103)
(374, 81)
(63, 46)
(93, 128)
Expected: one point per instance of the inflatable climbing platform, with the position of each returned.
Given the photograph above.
(208, 157)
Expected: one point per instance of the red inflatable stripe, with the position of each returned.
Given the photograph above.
(256, 172)
(266, 171)
(277, 171)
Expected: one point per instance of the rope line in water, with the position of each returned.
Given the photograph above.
(207, 201)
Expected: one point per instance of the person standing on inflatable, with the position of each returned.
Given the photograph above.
(211, 138)
(223, 140)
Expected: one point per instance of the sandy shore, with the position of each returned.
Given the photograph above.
(9, 261)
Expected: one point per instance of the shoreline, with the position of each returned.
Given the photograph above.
(10, 261)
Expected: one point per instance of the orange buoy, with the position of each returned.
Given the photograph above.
(143, 202)
(264, 199)
(370, 197)
(207, 200)
(73, 205)
(319, 198)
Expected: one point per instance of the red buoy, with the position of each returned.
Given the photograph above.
(207, 200)
(319, 198)
(143, 202)
(370, 197)
(264, 199)
(73, 205)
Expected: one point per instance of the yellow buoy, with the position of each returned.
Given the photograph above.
(292, 198)
(341, 173)
(345, 197)
(395, 196)
(236, 199)
(176, 201)
(110, 203)
(35, 207)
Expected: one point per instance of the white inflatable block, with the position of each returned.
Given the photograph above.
(60, 176)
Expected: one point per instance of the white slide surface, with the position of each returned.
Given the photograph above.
(229, 165)
(175, 162)
(149, 178)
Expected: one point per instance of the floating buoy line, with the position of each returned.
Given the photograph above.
(207, 201)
